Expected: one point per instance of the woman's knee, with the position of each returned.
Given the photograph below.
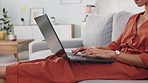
(2, 80)
(3, 71)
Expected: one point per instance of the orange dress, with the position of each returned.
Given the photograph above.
(55, 69)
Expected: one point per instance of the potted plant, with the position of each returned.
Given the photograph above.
(5, 22)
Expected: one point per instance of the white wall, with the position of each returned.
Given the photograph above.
(110, 6)
(0, 6)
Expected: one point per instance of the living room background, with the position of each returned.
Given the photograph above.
(64, 13)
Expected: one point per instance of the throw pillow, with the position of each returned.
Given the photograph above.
(97, 30)
(119, 21)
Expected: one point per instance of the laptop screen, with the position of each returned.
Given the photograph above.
(49, 33)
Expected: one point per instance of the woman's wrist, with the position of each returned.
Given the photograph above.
(116, 54)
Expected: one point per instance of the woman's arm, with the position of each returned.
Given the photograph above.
(101, 47)
(131, 59)
(105, 52)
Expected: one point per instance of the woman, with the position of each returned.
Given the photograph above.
(130, 52)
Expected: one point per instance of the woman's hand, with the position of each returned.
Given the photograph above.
(94, 52)
(80, 49)
(98, 53)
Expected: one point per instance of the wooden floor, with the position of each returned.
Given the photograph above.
(10, 59)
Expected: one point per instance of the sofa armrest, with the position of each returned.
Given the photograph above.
(42, 45)
(35, 46)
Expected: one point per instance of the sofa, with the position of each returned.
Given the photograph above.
(98, 30)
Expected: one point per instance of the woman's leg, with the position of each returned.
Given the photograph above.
(55, 69)
(2, 80)
(2, 72)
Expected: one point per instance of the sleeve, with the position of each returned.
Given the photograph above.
(115, 45)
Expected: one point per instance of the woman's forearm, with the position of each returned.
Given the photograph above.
(131, 59)
(101, 47)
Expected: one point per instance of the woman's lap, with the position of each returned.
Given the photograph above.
(54, 69)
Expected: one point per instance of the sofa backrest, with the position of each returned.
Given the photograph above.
(100, 30)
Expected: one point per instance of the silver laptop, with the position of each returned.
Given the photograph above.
(56, 46)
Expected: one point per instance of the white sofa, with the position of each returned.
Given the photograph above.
(98, 30)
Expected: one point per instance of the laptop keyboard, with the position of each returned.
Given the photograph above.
(76, 57)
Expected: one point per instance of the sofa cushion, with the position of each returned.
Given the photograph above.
(97, 30)
(119, 21)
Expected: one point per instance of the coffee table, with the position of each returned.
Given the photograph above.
(14, 47)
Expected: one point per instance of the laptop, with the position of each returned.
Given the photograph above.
(56, 46)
